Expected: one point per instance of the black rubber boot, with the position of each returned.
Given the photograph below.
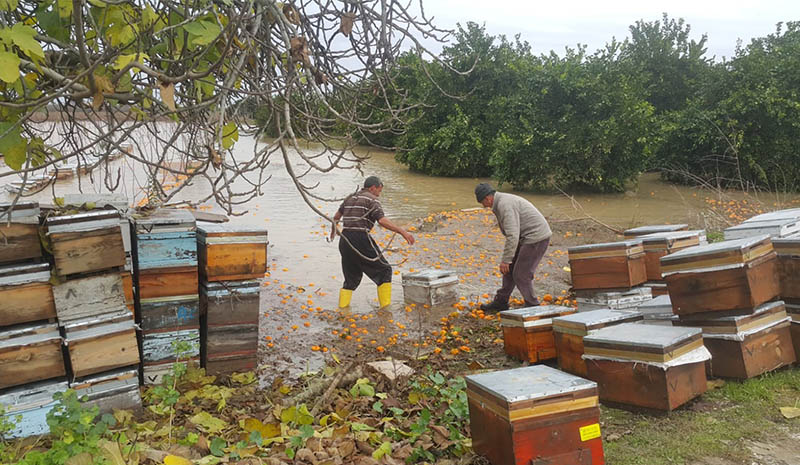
(494, 306)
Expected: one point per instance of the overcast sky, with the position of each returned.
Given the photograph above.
(554, 24)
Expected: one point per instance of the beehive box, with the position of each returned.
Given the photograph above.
(793, 310)
(774, 228)
(157, 347)
(528, 332)
(25, 294)
(659, 244)
(30, 352)
(654, 228)
(569, 331)
(231, 253)
(229, 331)
(170, 313)
(647, 366)
(729, 275)
(21, 236)
(102, 343)
(86, 242)
(107, 201)
(612, 265)
(166, 239)
(614, 300)
(744, 346)
(430, 287)
(788, 251)
(31, 403)
(113, 390)
(534, 415)
(89, 297)
(658, 311)
(789, 213)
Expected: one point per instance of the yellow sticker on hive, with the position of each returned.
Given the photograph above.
(590, 432)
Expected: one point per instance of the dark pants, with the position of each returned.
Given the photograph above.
(354, 266)
(525, 261)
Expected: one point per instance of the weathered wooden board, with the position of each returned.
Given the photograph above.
(102, 343)
(608, 272)
(230, 364)
(158, 347)
(166, 250)
(168, 282)
(30, 353)
(229, 303)
(127, 289)
(163, 314)
(114, 390)
(31, 402)
(25, 294)
(88, 251)
(19, 239)
(88, 297)
(232, 340)
(153, 373)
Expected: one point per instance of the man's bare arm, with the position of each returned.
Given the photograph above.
(387, 223)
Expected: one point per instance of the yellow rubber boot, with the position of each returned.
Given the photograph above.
(344, 297)
(384, 294)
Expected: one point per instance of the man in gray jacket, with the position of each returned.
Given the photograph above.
(527, 237)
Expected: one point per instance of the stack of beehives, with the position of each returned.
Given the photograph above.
(167, 300)
(232, 262)
(726, 289)
(90, 301)
(609, 275)
(31, 361)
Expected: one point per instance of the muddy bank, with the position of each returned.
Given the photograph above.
(301, 327)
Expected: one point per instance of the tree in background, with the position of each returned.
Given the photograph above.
(79, 79)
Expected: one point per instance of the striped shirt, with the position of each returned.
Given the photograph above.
(360, 211)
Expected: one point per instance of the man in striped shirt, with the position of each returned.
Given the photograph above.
(360, 254)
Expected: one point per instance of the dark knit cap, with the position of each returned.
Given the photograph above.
(482, 190)
(372, 181)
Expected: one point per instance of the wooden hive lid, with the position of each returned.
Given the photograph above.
(530, 392)
(21, 212)
(787, 246)
(606, 249)
(720, 255)
(13, 275)
(793, 310)
(219, 288)
(582, 323)
(654, 228)
(110, 382)
(100, 325)
(117, 201)
(789, 213)
(761, 316)
(673, 240)
(227, 233)
(646, 343)
(82, 222)
(533, 316)
(165, 220)
(614, 298)
(430, 277)
(657, 305)
(775, 228)
(25, 334)
(31, 396)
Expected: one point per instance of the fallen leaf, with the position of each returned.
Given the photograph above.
(245, 378)
(790, 412)
(176, 460)
(110, 451)
(84, 458)
(208, 423)
(715, 384)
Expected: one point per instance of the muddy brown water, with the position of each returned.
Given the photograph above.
(305, 266)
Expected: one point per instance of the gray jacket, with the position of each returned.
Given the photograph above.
(519, 221)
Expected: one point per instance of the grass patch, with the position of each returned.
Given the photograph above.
(716, 425)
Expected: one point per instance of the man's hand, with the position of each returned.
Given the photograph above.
(505, 268)
(409, 238)
(333, 231)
